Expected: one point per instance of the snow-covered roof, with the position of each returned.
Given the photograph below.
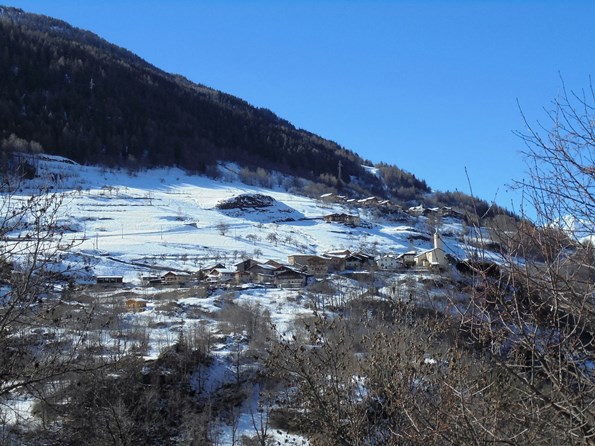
(224, 271)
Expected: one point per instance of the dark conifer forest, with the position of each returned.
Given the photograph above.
(83, 98)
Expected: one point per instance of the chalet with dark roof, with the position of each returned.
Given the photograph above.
(289, 278)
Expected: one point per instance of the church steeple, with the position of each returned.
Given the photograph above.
(437, 241)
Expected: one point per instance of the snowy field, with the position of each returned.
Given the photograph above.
(163, 219)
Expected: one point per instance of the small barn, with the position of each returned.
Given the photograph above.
(151, 280)
(290, 279)
(221, 275)
(136, 305)
(110, 279)
(170, 278)
(357, 261)
(245, 265)
(315, 265)
(407, 258)
(337, 260)
(262, 273)
(346, 219)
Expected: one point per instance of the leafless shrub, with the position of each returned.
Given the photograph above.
(222, 227)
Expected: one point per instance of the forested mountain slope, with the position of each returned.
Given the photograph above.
(68, 92)
(84, 98)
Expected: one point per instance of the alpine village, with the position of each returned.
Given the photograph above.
(178, 267)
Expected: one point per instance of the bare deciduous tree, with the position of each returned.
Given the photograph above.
(222, 228)
(515, 365)
(42, 338)
(273, 238)
(537, 320)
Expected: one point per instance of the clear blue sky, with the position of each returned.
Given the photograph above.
(431, 86)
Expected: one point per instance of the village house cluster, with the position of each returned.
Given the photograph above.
(375, 202)
(299, 269)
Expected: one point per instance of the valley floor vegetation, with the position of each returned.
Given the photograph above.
(512, 363)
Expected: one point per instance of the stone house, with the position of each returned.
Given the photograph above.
(388, 262)
(358, 261)
(245, 265)
(171, 278)
(290, 279)
(312, 264)
(221, 275)
(337, 260)
(407, 258)
(261, 273)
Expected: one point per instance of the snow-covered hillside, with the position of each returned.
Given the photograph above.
(147, 223)
(163, 219)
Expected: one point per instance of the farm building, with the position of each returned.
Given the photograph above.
(110, 279)
(290, 279)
